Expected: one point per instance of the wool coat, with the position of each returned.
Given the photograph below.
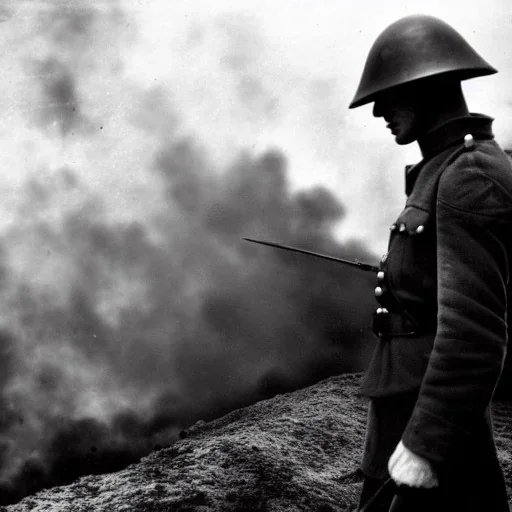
(442, 317)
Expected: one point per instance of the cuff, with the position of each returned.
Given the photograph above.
(433, 437)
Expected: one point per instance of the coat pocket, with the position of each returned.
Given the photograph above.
(414, 252)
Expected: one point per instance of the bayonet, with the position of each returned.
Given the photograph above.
(362, 266)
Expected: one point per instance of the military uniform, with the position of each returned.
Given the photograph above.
(443, 286)
(442, 326)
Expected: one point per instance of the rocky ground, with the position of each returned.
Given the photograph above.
(294, 452)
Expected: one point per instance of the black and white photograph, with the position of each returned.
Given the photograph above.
(255, 256)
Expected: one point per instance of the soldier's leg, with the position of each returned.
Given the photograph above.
(408, 499)
(375, 495)
(387, 418)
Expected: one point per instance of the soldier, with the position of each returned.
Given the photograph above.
(442, 287)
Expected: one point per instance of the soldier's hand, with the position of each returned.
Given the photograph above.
(407, 468)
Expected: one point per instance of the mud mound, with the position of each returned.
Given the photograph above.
(294, 452)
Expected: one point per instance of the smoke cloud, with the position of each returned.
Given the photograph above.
(130, 306)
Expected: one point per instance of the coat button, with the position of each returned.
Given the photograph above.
(469, 141)
(420, 229)
(380, 275)
(378, 291)
(401, 228)
(393, 227)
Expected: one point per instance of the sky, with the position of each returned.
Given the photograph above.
(140, 141)
(294, 68)
(250, 75)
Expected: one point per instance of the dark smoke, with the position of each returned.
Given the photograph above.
(118, 334)
(61, 102)
(214, 323)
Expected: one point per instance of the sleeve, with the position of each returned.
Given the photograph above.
(471, 337)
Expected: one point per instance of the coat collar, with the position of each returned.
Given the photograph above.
(448, 135)
(453, 132)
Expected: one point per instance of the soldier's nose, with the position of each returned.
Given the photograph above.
(377, 109)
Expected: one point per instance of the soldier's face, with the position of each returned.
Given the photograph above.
(400, 110)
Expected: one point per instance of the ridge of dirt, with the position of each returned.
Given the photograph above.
(295, 452)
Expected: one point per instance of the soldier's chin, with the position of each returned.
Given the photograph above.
(402, 139)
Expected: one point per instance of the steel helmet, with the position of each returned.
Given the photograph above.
(417, 47)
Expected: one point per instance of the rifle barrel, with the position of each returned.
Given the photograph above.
(362, 266)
